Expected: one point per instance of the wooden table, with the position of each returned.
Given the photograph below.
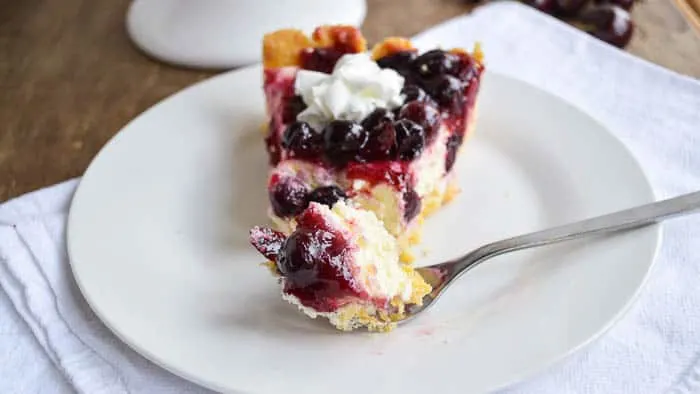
(70, 78)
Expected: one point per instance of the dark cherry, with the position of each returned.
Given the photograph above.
(609, 23)
(381, 143)
(267, 241)
(425, 115)
(466, 69)
(302, 141)
(343, 140)
(320, 59)
(447, 91)
(396, 112)
(626, 4)
(412, 204)
(327, 195)
(410, 139)
(434, 63)
(381, 138)
(292, 108)
(569, 8)
(546, 6)
(288, 197)
(453, 144)
(295, 254)
(376, 118)
(309, 260)
(399, 61)
(413, 92)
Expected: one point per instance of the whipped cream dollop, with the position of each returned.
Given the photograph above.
(355, 88)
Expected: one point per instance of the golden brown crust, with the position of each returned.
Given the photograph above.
(391, 45)
(282, 47)
(346, 39)
(477, 54)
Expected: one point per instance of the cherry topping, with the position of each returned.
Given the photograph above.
(288, 197)
(399, 61)
(320, 59)
(381, 143)
(546, 6)
(376, 118)
(267, 241)
(381, 139)
(343, 140)
(453, 144)
(410, 139)
(412, 204)
(434, 63)
(292, 107)
(626, 4)
(295, 254)
(302, 141)
(414, 93)
(465, 69)
(593, 20)
(425, 115)
(569, 8)
(311, 253)
(609, 23)
(327, 195)
(448, 91)
(312, 262)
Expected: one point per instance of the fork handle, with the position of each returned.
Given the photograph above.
(614, 222)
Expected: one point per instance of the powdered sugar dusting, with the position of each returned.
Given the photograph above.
(267, 241)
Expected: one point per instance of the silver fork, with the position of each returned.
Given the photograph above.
(441, 276)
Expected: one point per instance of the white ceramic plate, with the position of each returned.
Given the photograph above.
(158, 242)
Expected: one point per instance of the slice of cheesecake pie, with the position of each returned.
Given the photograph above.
(381, 129)
(342, 264)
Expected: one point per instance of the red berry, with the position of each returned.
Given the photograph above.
(296, 255)
(381, 143)
(376, 118)
(267, 241)
(381, 139)
(288, 197)
(413, 92)
(343, 140)
(626, 4)
(434, 63)
(546, 6)
(410, 139)
(425, 115)
(465, 69)
(320, 59)
(569, 8)
(447, 91)
(400, 62)
(609, 23)
(302, 141)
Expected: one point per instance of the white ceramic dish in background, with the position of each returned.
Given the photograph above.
(226, 33)
(158, 244)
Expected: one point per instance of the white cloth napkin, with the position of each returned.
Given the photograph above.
(50, 341)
